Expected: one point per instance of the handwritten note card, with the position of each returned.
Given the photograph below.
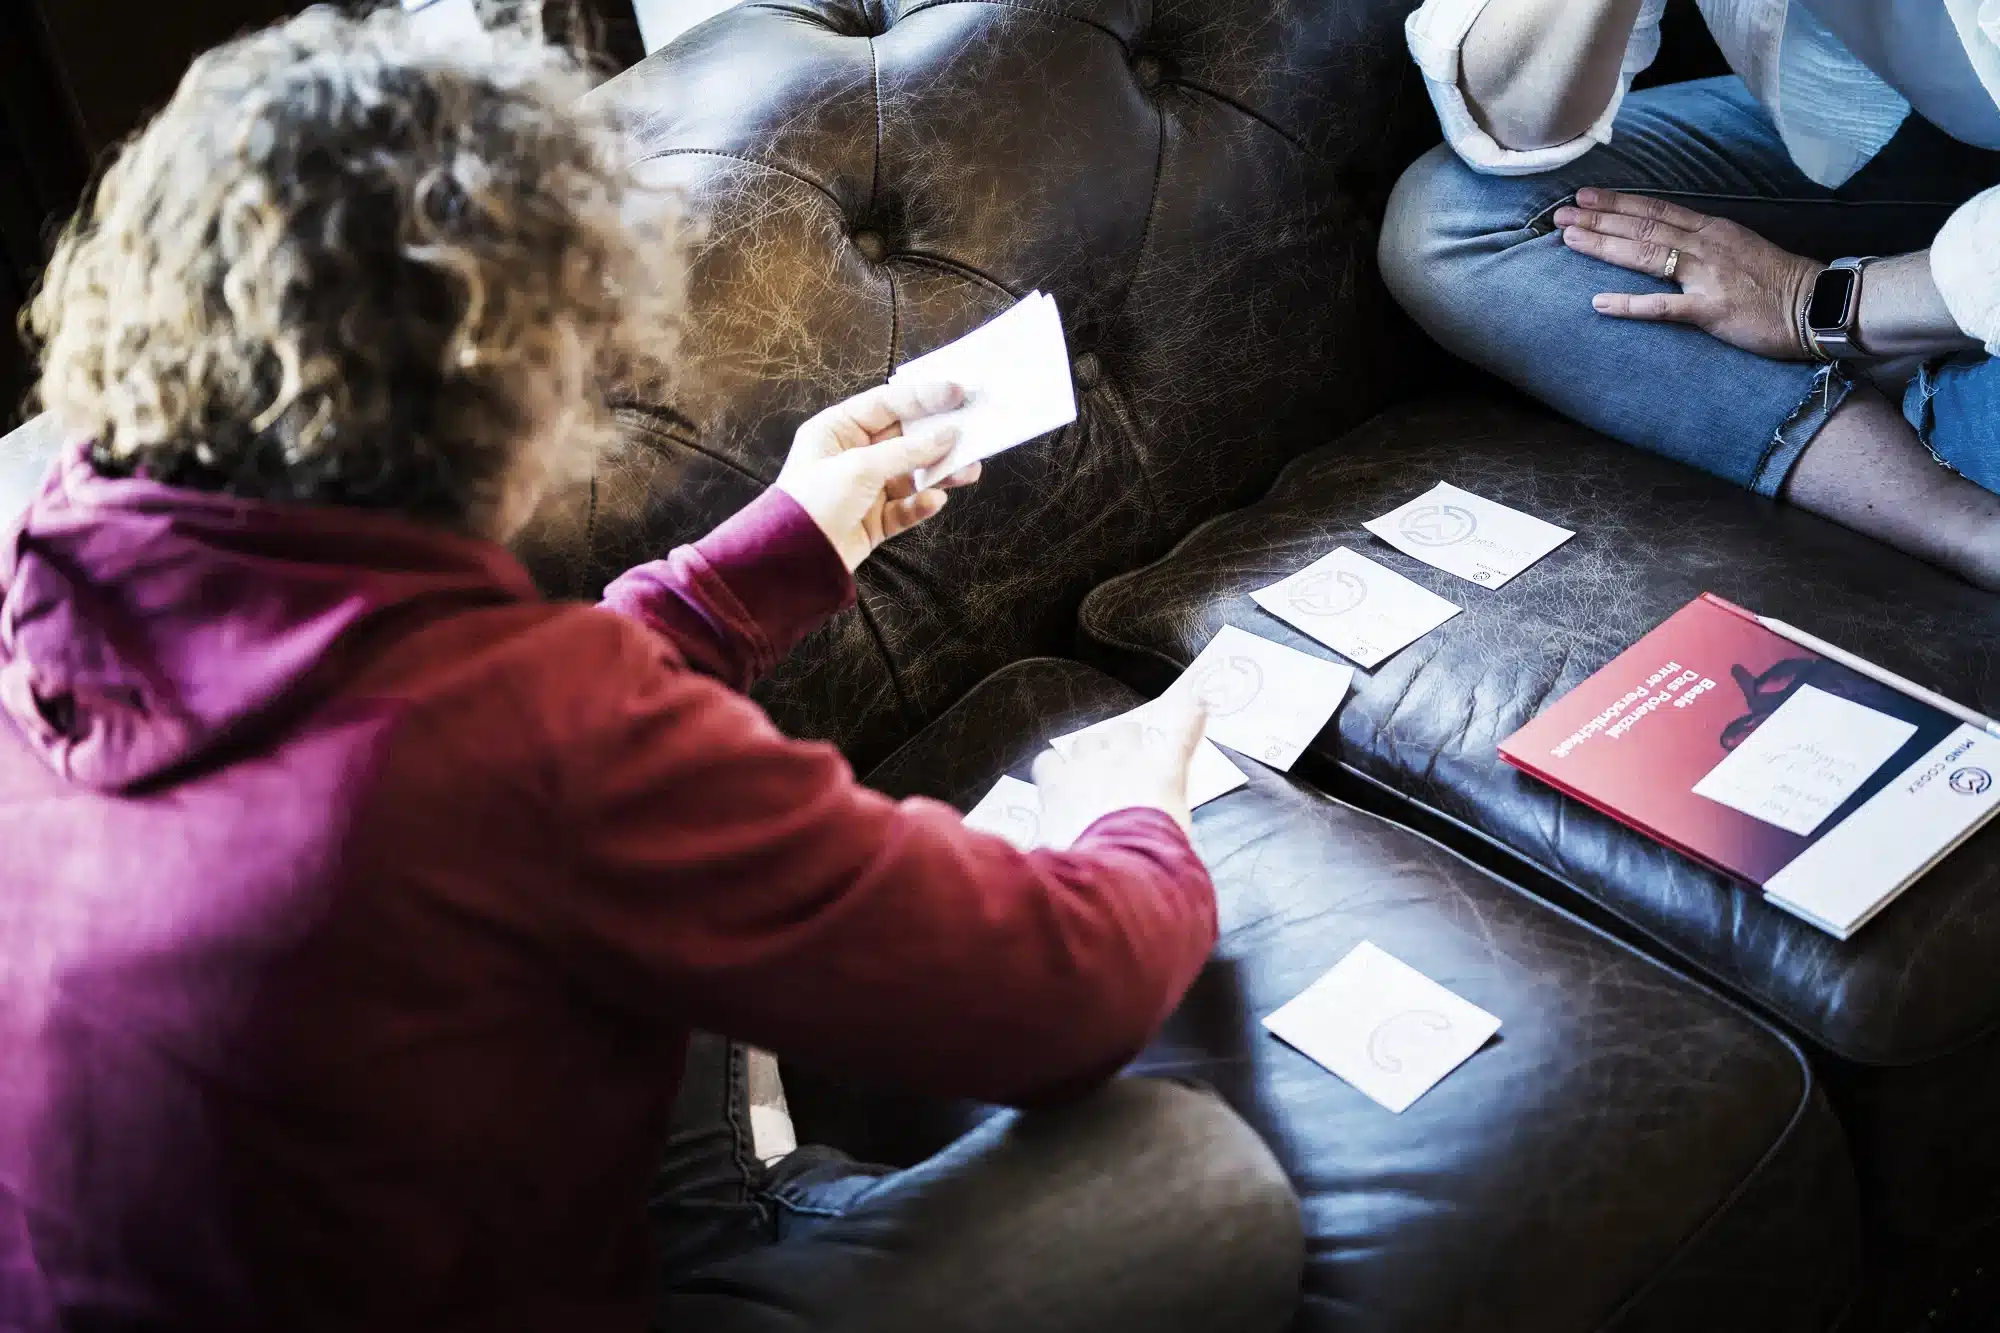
(1805, 760)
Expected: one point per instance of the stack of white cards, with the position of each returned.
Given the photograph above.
(1263, 700)
(1012, 809)
(1383, 1026)
(1015, 373)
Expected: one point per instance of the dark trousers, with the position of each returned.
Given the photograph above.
(1145, 1206)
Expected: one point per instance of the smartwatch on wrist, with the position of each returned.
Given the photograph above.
(1833, 310)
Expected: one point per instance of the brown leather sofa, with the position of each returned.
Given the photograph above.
(1699, 1114)
(1652, 1141)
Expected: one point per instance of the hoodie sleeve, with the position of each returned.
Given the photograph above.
(735, 602)
(747, 884)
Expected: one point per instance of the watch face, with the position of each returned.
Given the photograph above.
(1831, 293)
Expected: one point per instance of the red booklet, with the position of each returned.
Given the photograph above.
(1827, 788)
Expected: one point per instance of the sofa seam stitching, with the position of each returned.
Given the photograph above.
(786, 172)
(694, 445)
(914, 10)
(1152, 208)
(889, 662)
(1721, 1209)
(1296, 143)
(875, 172)
(957, 266)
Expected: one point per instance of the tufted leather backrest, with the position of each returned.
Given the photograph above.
(1196, 182)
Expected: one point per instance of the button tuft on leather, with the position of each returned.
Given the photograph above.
(872, 246)
(1149, 72)
(861, 21)
(1086, 370)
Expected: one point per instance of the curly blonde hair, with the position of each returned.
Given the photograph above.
(352, 264)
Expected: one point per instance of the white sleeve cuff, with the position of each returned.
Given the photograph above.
(1436, 33)
(1965, 264)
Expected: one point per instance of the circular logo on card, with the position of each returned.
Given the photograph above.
(1438, 525)
(1026, 822)
(1229, 685)
(1409, 1033)
(1329, 592)
(1971, 781)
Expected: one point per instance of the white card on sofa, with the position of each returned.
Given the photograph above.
(1383, 1026)
(1011, 810)
(1468, 535)
(1015, 373)
(1363, 611)
(1209, 776)
(1263, 699)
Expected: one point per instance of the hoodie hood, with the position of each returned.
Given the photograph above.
(141, 624)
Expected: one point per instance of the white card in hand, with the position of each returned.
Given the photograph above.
(1805, 759)
(1463, 534)
(1264, 699)
(1012, 810)
(1361, 610)
(1383, 1026)
(1015, 373)
(1210, 774)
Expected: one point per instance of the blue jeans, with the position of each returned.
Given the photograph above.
(1477, 261)
(1144, 1205)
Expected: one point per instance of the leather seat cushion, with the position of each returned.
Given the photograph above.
(1632, 1152)
(1908, 1006)
(1196, 186)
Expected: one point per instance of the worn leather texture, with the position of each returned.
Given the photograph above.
(1905, 1013)
(1196, 186)
(1632, 1152)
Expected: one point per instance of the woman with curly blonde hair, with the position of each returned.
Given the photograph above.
(356, 905)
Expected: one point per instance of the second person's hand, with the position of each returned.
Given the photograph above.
(1735, 285)
(850, 466)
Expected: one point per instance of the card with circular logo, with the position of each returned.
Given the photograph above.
(1209, 776)
(1364, 611)
(1011, 810)
(1468, 535)
(1383, 1026)
(1263, 699)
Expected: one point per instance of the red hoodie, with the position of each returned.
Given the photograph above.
(355, 904)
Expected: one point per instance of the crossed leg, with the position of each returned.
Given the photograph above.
(1478, 261)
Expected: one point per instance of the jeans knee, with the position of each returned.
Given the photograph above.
(1443, 223)
(1414, 236)
(1233, 1212)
